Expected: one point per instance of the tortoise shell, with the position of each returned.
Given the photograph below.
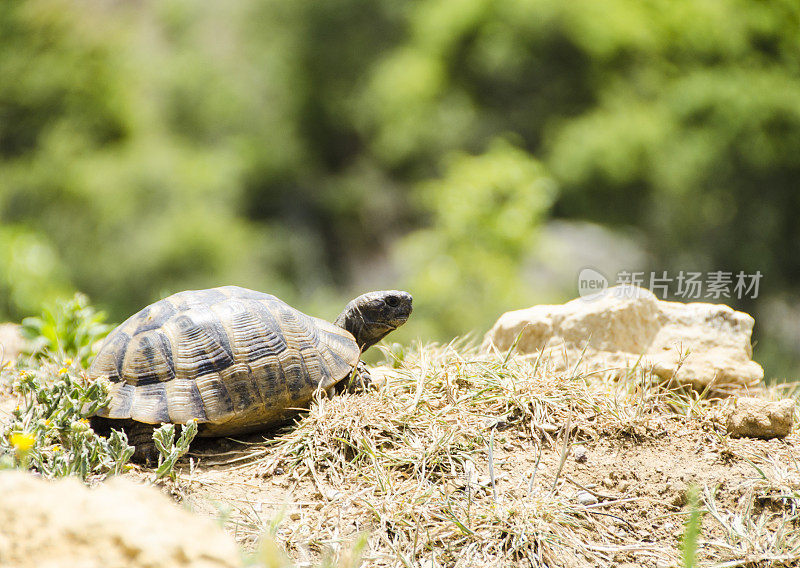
(234, 359)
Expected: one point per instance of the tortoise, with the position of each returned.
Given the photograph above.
(235, 360)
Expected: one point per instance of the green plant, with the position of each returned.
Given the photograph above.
(67, 328)
(394, 355)
(50, 433)
(169, 451)
(693, 528)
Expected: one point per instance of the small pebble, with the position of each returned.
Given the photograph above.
(549, 428)
(678, 490)
(585, 498)
(333, 495)
(580, 454)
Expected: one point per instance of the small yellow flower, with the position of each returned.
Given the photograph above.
(22, 441)
(67, 362)
(56, 447)
(63, 371)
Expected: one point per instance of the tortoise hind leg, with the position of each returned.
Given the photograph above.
(140, 436)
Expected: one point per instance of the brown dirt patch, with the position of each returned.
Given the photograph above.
(457, 461)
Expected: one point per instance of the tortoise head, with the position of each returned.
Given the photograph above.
(373, 315)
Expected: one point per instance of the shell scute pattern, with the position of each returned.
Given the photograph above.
(185, 401)
(200, 343)
(149, 355)
(150, 403)
(112, 354)
(336, 344)
(232, 358)
(121, 400)
(151, 317)
(255, 331)
(215, 397)
(189, 299)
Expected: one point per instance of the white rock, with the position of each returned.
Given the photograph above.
(697, 344)
(119, 524)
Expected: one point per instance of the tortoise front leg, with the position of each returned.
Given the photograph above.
(358, 381)
(361, 379)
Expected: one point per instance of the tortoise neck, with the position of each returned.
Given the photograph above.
(352, 320)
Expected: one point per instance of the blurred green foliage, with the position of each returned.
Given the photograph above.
(484, 214)
(66, 329)
(31, 271)
(310, 148)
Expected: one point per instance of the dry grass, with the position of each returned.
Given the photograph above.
(763, 529)
(464, 459)
(418, 464)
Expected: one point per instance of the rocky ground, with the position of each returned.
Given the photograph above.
(527, 452)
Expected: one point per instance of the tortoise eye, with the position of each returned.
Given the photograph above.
(392, 301)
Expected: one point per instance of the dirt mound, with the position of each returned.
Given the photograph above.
(48, 524)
